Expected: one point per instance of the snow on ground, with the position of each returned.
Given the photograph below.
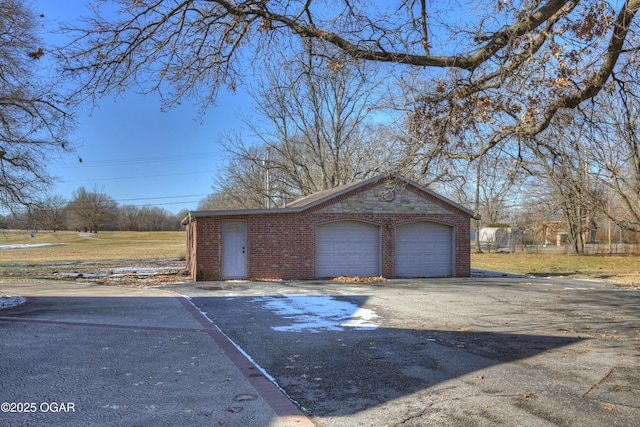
(7, 301)
(138, 271)
(27, 245)
(319, 313)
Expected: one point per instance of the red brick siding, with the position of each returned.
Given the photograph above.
(282, 246)
(190, 257)
(205, 261)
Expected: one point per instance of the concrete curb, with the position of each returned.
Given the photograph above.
(288, 412)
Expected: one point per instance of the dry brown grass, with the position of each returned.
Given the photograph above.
(623, 269)
(94, 257)
(71, 246)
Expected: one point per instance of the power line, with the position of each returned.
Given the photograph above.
(136, 160)
(163, 197)
(135, 177)
(167, 203)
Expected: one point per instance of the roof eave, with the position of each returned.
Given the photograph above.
(241, 212)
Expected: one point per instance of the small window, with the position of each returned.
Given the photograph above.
(233, 228)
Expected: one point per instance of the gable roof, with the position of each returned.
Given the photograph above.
(324, 195)
(319, 197)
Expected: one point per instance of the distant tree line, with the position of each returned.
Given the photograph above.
(90, 211)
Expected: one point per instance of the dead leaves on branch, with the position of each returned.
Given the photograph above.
(594, 22)
(501, 74)
(525, 84)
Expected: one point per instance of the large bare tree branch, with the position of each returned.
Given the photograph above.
(109, 48)
(503, 70)
(33, 123)
(595, 84)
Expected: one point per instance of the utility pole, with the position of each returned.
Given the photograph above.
(478, 172)
(267, 165)
(609, 217)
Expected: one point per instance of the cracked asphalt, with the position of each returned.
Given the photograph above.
(446, 352)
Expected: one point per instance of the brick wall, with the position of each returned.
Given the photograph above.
(282, 245)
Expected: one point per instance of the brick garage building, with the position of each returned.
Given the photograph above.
(383, 226)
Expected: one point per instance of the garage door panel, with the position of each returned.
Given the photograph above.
(424, 249)
(347, 248)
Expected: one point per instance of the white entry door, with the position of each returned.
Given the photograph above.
(234, 249)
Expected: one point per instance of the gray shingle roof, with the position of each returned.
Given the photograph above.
(314, 199)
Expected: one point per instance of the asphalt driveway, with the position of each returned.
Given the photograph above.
(91, 355)
(441, 352)
(438, 352)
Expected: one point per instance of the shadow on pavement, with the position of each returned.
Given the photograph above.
(338, 371)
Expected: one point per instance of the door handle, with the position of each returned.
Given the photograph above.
(243, 249)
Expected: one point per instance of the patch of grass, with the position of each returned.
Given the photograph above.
(624, 269)
(72, 246)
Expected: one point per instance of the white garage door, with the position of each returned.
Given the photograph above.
(424, 249)
(347, 248)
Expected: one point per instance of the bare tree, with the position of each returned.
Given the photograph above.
(128, 218)
(242, 183)
(50, 213)
(504, 68)
(500, 180)
(538, 214)
(224, 199)
(32, 119)
(91, 210)
(146, 218)
(566, 171)
(313, 131)
(591, 165)
(154, 218)
(614, 151)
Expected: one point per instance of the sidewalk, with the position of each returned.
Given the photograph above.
(93, 355)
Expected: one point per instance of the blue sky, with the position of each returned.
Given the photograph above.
(137, 154)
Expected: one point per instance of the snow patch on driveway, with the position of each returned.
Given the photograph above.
(319, 313)
(7, 301)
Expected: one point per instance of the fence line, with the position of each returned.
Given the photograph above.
(589, 249)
